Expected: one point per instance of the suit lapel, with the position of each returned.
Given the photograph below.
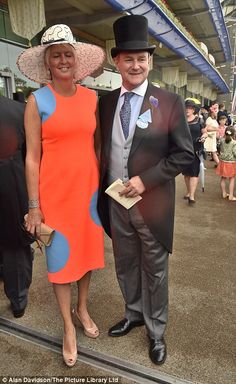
(140, 133)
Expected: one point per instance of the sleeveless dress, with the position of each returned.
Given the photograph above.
(195, 127)
(68, 183)
(210, 142)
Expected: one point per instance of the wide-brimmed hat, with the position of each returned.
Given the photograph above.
(131, 34)
(31, 62)
(193, 103)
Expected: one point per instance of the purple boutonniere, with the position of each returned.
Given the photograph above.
(154, 102)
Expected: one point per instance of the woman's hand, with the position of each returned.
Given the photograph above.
(33, 221)
(203, 137)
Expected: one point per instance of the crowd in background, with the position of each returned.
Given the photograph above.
(213, 133)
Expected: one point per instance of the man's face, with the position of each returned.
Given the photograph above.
(133, 67)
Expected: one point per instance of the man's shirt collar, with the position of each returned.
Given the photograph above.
(140, 90)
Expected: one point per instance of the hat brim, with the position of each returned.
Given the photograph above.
(90, 59)
(116, 50)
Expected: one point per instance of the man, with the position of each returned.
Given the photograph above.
(15, 251)
(147, 158)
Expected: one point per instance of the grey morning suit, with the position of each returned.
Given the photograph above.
(142, 236)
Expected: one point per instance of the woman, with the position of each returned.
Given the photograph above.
(212, 128)
(198, 133)
(61, 169)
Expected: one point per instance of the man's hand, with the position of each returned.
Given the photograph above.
(134, 187)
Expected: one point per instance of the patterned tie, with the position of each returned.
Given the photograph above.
(125, 113)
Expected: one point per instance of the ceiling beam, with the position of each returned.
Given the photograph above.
(229, 9)
(82, 7)
(226, 3)
(218, 52)
(230, 18)
(81, 18)
(193, 13)
(65, 12)
(231, 14)
(207, 37)
(163, 60)
(87, 37)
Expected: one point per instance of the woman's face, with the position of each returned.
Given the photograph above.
(61, 61)
(214, 109)
(190, 111)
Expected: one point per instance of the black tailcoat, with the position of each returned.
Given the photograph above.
(13, 192)
(158, 154)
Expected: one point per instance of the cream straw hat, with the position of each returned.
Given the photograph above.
(89, 57)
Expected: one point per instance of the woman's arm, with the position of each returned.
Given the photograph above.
(211, 129)
(32, 164)
(210, 125)
(204, 134)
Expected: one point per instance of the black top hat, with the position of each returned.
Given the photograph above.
(131, 34)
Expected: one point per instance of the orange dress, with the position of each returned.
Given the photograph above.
(68, 183)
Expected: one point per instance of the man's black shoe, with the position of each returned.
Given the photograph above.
(157, 351)
(123, 327)
(19, 313)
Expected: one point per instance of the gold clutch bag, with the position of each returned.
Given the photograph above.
(46, 234)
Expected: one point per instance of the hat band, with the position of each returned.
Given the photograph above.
(53, 41)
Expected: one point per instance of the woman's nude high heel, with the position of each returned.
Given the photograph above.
(69, 358)
(92, 332)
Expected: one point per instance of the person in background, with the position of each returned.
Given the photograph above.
(19, 96)
(146, 143)
(222, 112)
(227, 165)
(204, 112)
(199, 134)
(62, 169)
(221, 130)
(212, 128)
(15, 250)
